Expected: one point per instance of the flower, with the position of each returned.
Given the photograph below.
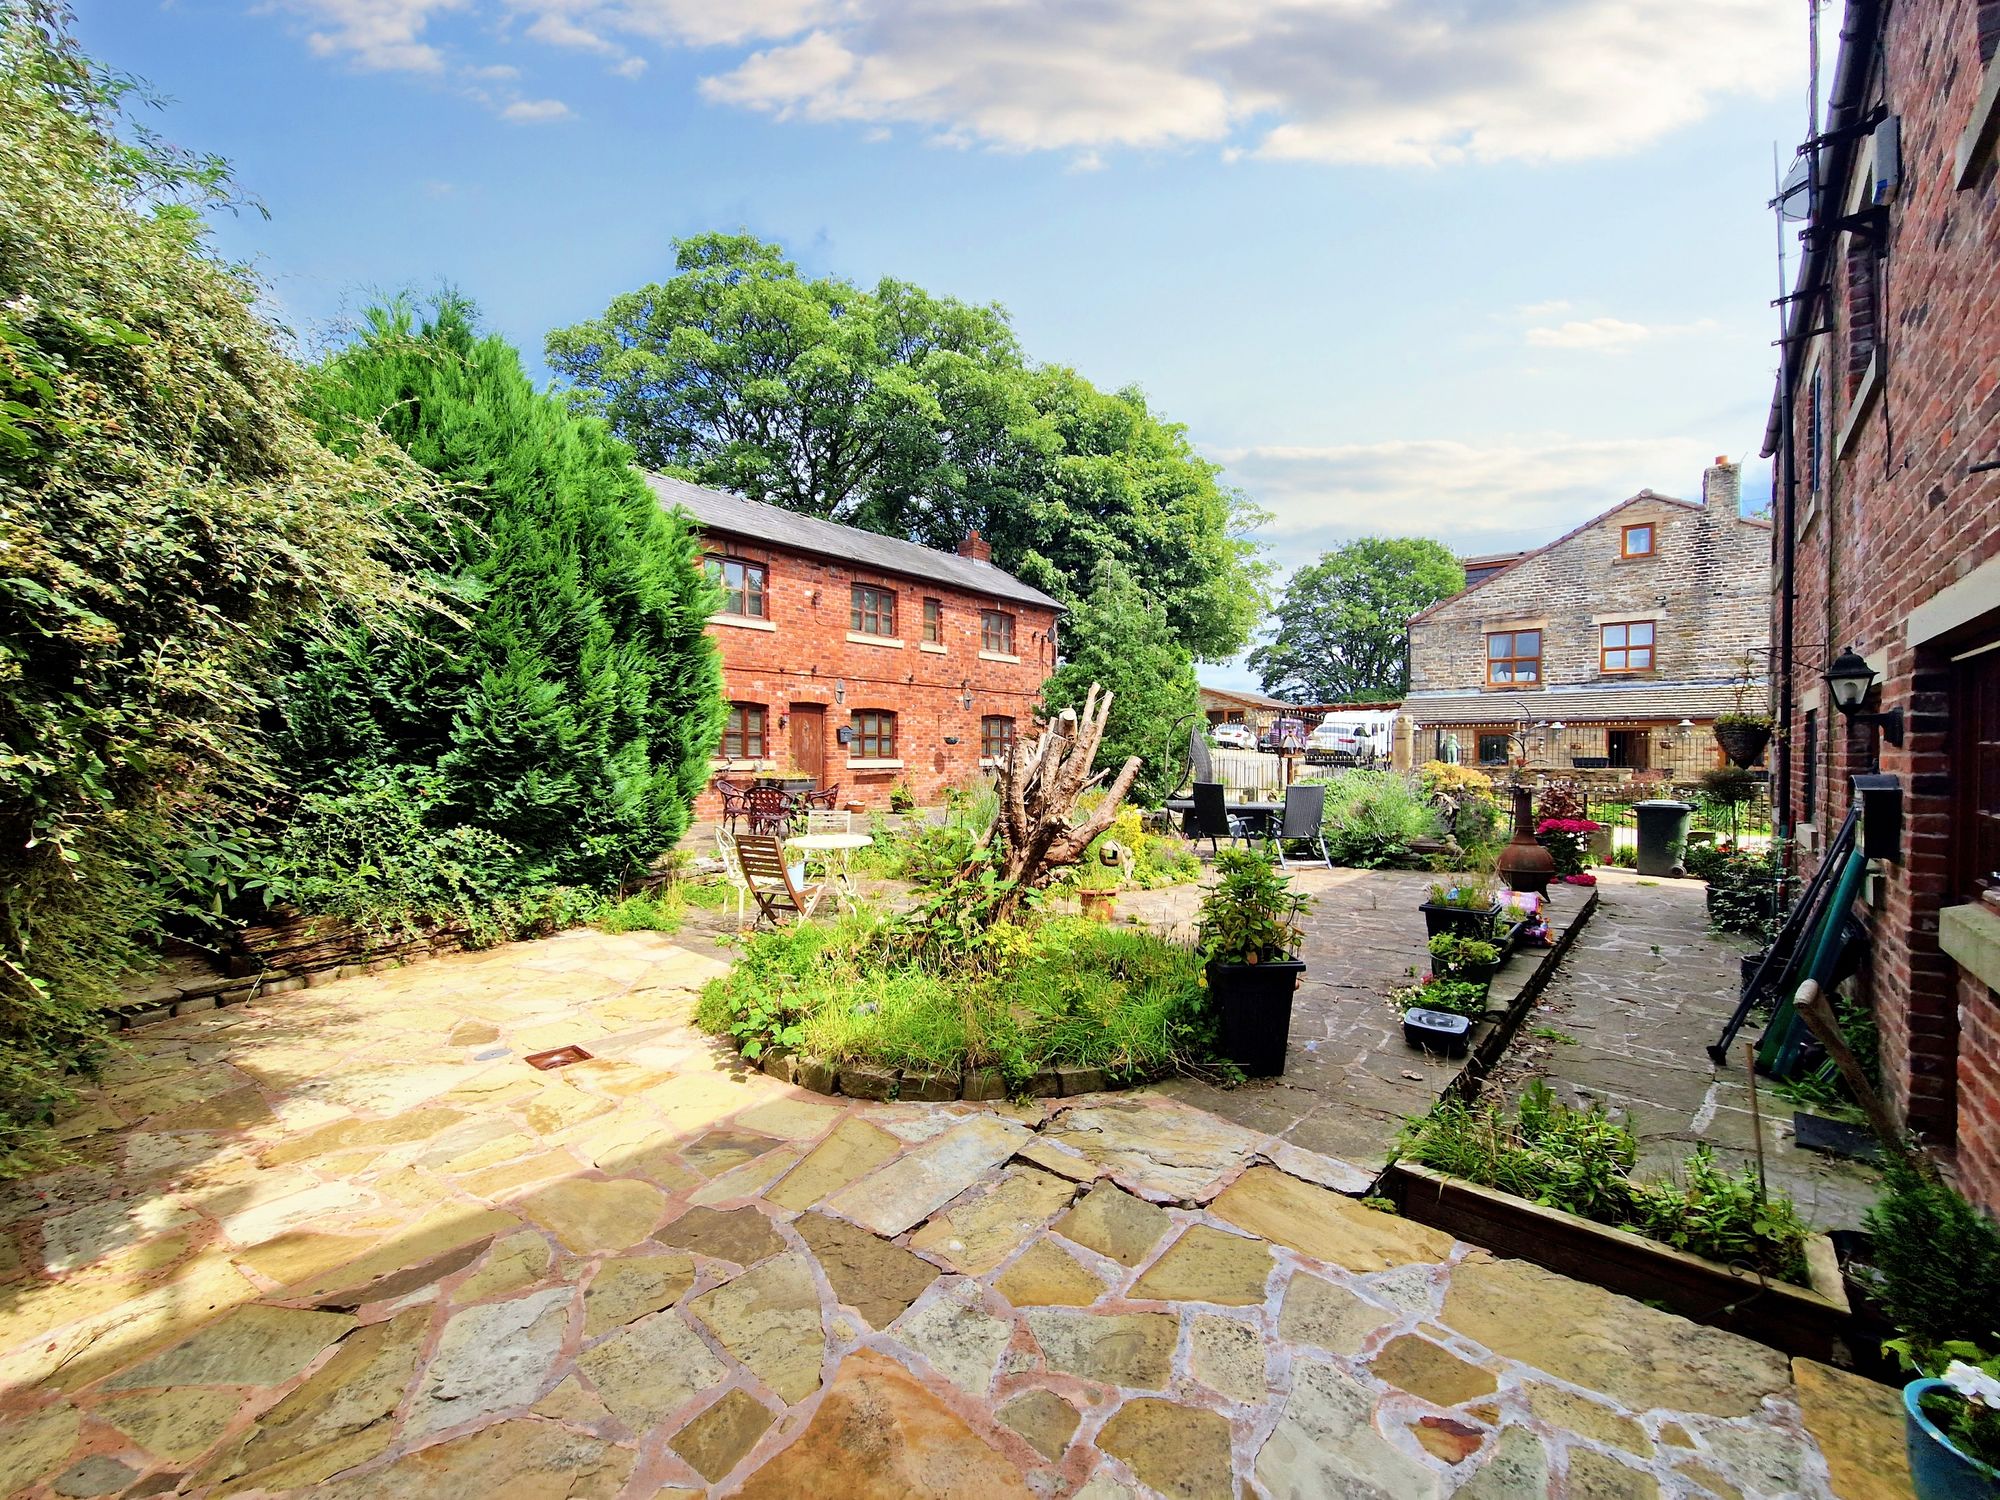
(1583, 879)
(1972, 1383)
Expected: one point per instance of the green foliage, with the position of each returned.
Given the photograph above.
(573, 711)
(1742, 889)
(1966, 1417)
(917, 416)
(1373, 817)
(1463, 895)
(1251, 914)
(1118, 638)
(1456, 957)
(1935, 1260)
(902, 799)
(1580, 1161)
(662, 910)
(165, 506)
(1453, 996)
(1343, 623)
(1823, 1089)
(1033, 995)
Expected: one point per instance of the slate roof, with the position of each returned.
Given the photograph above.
(1577, 705)
(774, 526)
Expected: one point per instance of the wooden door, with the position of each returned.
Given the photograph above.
(809, 741)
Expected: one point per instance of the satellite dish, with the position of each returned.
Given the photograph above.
(1794, 200)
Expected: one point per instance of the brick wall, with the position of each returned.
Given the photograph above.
(1897, 517)
(802, 655)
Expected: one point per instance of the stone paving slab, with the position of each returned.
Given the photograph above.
(663, 1275)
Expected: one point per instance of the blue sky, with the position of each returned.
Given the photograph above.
(1471, 269)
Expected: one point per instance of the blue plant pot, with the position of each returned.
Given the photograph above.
(1937, 1469)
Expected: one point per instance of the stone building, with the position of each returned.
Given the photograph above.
(1886, 429)
(1616, 645)
(862, 660)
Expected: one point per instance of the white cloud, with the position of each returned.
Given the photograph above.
(1609, 335)
(629, 67)
(1382, 82)
(535, 111)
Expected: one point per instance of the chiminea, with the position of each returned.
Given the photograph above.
(1524, 864)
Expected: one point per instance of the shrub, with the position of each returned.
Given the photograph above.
(1743, 891)
(1562, 799)
(1453, 956)
(1373, 817)
(1451, 995)
(1475, 812)
(1250, 915)
(1568, 842)
(1935, 1260)
(902, 798)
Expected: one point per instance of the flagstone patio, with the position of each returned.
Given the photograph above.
(345, 1242)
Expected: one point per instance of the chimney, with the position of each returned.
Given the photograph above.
(975, 547)
(1722, 485)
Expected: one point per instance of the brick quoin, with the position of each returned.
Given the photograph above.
(1891, 540)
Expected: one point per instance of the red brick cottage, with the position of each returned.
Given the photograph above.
(862, 660)
(1886, 428)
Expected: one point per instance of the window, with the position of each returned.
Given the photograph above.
(996, 737)
(743, 732)
(934, 622)
(743, 586)
(874, 735)
(1627, 648)
(1636, 541)
(1815, 432)
(1975, 716)
(874, 610)
(1863, 289)
(1809, 768)
(1493, 749)
(996, 632)
(1513, 656)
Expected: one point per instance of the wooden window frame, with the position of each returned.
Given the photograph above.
(718, 565)
(1510, 660)
(747, 726)
(869, 613)
(990, 746)
(1626, 552)
(874, 734)
(1479, 740)
(934, 622)
(996, 632)
(1626, 648)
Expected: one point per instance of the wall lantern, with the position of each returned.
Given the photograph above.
(840, 690)
(1849, 679)
(965, 693)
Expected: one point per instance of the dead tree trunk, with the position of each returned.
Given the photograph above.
(1039, 788)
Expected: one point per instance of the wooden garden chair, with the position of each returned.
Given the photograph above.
(773, 885)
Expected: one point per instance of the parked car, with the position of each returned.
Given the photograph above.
(1234, 736)
(1338, 743)
(1284, 734)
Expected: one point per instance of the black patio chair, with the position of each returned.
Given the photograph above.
(1305, 807)
(1212, 819)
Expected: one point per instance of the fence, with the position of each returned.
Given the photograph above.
(1249, 774)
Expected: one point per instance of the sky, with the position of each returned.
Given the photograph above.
(1468, 269)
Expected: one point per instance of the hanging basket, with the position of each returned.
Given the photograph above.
(1743, 743)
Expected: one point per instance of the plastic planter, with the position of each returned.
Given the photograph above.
(1938, 1471)
(1459, 921)
(1437, 1030)
(1253, 1004)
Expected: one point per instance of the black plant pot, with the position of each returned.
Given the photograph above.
(1743, 743)
(1253, 1003)
(1470, 973)
(1459, 921)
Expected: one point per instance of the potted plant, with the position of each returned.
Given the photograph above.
(1465, 908)
(1952, 1422)
(1741, 733)
(1473, 960)
(1438, 1014)
(1250, 938)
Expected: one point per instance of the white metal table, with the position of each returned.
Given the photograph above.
(834, 850)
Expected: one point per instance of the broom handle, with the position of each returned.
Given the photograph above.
(1812, 1007)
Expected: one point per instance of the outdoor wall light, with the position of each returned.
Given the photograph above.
(1850, 679)
(965, 691)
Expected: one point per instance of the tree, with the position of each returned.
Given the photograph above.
(574, 709)
(166, 506)
(1119, 638)
(917, 416)
(1343, 623)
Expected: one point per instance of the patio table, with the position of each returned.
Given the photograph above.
(828, 845)
(1258, 813)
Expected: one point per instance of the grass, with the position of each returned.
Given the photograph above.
(1048, 992)
(646, 911)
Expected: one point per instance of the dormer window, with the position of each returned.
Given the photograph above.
(1636, 541)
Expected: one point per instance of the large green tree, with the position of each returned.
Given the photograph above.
(570, 702)
(1119, 638)
(918, 416)
(167, 504)
(1343, 624)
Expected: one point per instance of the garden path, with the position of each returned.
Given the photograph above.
(1626, 1021)
(343, 1242)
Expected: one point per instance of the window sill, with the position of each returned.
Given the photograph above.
(1982, 131)
(999, 656)
(874, 765)
(934, 647)
(735, 763)
(888, 642)
(742, 622)
(1857, 409)
(1970, 935)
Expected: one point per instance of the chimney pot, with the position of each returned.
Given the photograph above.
(1722, 485)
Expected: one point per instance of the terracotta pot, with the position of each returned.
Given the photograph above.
(1099, 905)
(1524, 864)
(1743, 743)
